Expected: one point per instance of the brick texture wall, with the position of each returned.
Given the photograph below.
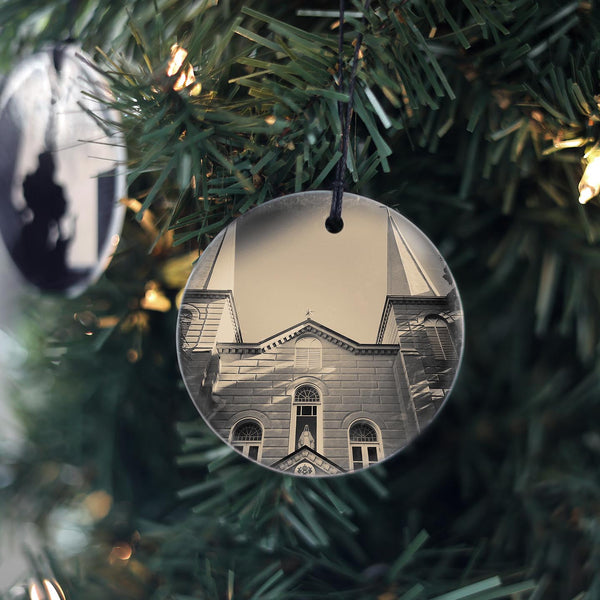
(353, 386)
(400, 391)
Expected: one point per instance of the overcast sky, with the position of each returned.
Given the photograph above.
(287, 262)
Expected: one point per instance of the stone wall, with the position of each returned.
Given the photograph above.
(399, 391)
(352, 386)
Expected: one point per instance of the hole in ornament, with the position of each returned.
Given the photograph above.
(334, 224)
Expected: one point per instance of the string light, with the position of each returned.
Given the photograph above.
(51, 591)
(34, 592)
(186, 76)
(154, 299)
(589, 186)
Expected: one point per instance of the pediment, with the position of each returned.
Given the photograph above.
(310, 327)
(307, 327)
(305, 461)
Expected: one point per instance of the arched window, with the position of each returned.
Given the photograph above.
(306, 393)
(308, 354)
(307, 402)
(247, 437)
(365, 445)
(439, 338)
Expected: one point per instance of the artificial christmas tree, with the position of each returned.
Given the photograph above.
(470, 117)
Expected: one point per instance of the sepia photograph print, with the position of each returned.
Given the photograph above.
(318, 354)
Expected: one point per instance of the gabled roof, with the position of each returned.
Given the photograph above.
(322, 465)
(308, 326)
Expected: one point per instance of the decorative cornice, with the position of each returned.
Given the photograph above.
(411, 300)
(387, 309)
(311, 327)
(300, 328)
(198, 294)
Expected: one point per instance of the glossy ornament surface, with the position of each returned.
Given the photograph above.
(314, 353)
(62, 170)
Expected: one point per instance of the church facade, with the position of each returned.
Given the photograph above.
(308, 400)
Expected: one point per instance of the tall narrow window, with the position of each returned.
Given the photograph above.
(439, 338)
(247, 438)
(308, 354)
(306, 404)
(365, 446)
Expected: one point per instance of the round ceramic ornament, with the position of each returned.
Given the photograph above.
(314, 353)
(62, 172)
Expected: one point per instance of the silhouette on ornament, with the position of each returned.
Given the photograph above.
(41, 250)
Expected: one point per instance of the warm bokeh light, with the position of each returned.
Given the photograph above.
(154, 299)
(107, 322)
(589, 186)
(133, 355)
(120, 552)
(35, 593)
(186, 76)
(53, 590)
(178, 55)
(98, 504)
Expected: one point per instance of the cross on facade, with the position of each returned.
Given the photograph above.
(309, 313)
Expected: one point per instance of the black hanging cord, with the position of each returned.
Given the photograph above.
(334, 222)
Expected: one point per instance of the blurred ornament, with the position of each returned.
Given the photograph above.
(62, 170)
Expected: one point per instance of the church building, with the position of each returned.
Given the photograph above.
(309, 400)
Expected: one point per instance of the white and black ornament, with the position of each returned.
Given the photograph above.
(315, 353)
(62, 170)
